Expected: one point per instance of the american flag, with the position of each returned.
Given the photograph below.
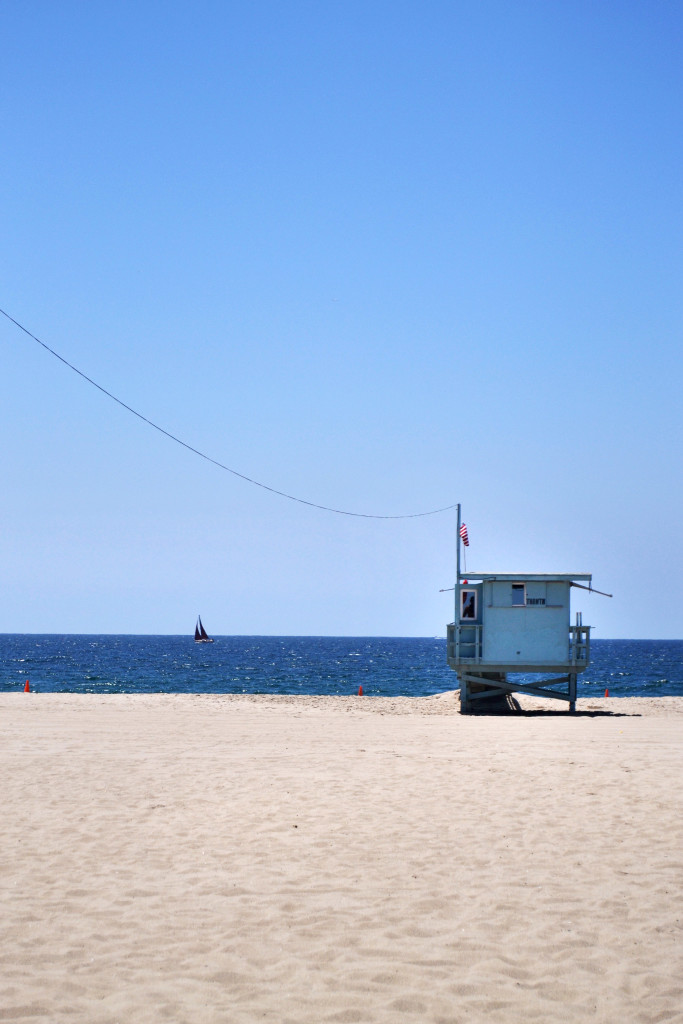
(463, 534)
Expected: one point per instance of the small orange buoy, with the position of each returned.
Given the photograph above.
(27, 688)
(360, 691)
(606, 693)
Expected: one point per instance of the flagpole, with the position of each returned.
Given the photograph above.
(457, 571)
(456, 620)
(462, 675)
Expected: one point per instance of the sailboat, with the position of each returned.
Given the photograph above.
(200, 634)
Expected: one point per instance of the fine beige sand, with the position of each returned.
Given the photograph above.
(208, 859)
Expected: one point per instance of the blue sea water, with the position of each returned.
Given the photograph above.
(383, 666)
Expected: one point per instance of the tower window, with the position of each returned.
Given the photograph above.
(468, 604)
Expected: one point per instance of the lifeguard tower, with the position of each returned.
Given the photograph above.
(509, 623)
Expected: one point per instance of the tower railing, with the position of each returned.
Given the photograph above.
(464, 644)
(579, 644)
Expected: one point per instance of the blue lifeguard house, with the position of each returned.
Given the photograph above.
(512, 625)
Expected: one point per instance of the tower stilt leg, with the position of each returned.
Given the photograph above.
(464, 695)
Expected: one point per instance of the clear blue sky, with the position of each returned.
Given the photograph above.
(383, 255)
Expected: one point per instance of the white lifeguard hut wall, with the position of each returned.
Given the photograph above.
(526, 620)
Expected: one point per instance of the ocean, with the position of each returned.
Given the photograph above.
(383, 666)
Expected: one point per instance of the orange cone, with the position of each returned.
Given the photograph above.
(360, 691)
(606, 693)
(27, 688)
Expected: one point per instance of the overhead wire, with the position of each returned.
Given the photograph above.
(208, 458)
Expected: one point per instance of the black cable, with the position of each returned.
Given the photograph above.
(282, 494)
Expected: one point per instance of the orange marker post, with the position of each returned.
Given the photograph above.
(27, 687)
(360, 691)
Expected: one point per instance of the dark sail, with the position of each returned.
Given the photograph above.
(200, 634)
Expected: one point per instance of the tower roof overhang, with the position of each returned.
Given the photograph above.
(526, 577)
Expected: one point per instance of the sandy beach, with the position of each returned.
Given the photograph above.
(208, 859)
